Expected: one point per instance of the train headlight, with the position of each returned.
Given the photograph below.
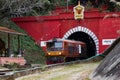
(60, 53)
(48, 53)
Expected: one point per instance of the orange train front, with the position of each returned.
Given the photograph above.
(60, 50)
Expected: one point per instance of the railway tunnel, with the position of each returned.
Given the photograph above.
(84, 37)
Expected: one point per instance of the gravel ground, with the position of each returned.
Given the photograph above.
(71, 72)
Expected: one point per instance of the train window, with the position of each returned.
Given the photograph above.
(58, 44)
(50, 46)
(71, 48)
(54, 46)
(77, 48)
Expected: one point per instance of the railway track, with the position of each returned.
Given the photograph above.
(16, 74)
(3, 72)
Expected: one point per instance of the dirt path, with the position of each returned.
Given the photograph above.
(72, 72)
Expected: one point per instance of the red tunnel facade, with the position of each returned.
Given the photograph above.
(102, 27)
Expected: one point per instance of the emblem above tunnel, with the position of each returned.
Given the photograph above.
(78, 11)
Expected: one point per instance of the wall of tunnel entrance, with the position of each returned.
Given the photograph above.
(85, 35)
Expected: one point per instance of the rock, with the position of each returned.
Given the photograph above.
(109, 69)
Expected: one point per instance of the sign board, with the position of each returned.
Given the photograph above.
(78, 11)
(107, 41)
(43, 43)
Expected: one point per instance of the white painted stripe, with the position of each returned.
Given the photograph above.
(97, 43)
(71, 31)
(67, 34)
(66, 37)
(74, 30)
(89, 32)
(92, 34)
(82, 28)
(79, 28)
(85, 30)
(97, 46)
(95, 39)
(97, 52)
(97, 49)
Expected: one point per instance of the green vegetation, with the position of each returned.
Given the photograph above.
(20, 8)
(33, 53)
(111, 6)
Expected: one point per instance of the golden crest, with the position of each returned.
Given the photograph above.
(79, 11)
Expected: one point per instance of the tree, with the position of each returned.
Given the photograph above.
(16, 8)
(9, 8)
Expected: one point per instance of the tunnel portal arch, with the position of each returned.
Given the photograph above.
(87, 36)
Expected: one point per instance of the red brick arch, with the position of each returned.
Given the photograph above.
(85, 30)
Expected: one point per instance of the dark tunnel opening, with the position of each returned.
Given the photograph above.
(81, 36)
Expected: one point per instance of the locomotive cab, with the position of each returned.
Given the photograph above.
(54, 48)
(54, 52)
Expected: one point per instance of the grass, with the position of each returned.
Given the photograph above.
(64, 72)
(71, 67)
